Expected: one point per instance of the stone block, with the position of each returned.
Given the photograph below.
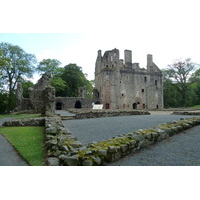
(124, 148)
(138, 137)
(97, 160)
(51, 130)
(112, 149)
(146, 143)
(148, 136)
(76, 144)
(71, 161)
(102, 152)
(116, 156)
(52, 161)
(132, 144)
(63, 148)
(87, 163)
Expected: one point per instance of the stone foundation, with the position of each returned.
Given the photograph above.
(63, 149)
(186, 113)
(88, 113)
(26, 122)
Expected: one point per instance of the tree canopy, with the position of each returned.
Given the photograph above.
(178, 78)
(69, 79)
(15, 64)
(49, 66)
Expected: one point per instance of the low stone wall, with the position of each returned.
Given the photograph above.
(26, 122)
(186, 113)
(63, 149)
(88, 113)
(108, 151)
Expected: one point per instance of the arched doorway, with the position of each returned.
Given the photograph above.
(134, 105)
(78, 104)
(58, 106)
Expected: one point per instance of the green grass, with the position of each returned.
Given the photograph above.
(197, 106)
(19, 116)
(28, 141)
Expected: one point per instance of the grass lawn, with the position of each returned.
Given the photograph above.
(197, 106)
(28, 141)
(19, 116)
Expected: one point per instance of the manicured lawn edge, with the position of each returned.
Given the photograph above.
(19, 116)
(28, 142)
(63, 149)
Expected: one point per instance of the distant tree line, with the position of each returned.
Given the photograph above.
(181, 80)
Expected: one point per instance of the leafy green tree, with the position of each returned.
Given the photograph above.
(75, 78)
(26, 85)
(179, 74)
(59, 84)
(68, 80)
(195, 87)
(15, 64)
(3, 102)
(49, 66)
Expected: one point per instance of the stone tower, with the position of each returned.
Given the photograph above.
(121, 84)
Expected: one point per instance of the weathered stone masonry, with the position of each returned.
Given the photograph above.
(121, 84)
(64, 149)
(41, 97)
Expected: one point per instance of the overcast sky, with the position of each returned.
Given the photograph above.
(73, 31)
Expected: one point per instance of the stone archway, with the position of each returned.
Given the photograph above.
(78, 104)
(58, 106)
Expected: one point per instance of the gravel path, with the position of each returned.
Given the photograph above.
(8, 155)
(64, 113)
(5, 119)
(88, 130)
(182, 149)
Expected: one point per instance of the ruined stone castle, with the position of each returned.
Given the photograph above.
(121, 84)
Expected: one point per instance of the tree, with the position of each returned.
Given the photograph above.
(49, 66)
(179, 73)
(195, 87)
(26, 85)
(69, 79)
(15, 64)
(170, 94)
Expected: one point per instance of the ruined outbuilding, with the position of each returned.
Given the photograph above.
(121, 84)
(41, 97)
